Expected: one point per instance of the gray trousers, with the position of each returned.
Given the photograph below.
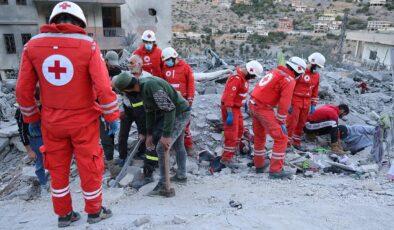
(177, 136)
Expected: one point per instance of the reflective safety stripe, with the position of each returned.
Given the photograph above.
(296, 137)
(111, 111)
(28, 108)
(61, 35)
(315, 126)
(60, 192)
(152, 158)
(278, 156)
(29, 114)
(243, 94)
(92, 195)
(175, 85)
(137, 104)
(109, 105)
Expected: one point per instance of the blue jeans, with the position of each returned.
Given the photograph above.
(177, 143)
(35, 143)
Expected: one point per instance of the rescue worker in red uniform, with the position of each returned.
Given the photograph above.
(305, 97)
(72, 75)
(150, 54)
(325, 121)
(233, 98)
(274, 89)
(180, 76)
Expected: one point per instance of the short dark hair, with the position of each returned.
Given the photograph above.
(68, 18)
(344, 107)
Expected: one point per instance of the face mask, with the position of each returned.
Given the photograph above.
(135, 69)
(315, 69)
(170, 63)
(149, 47)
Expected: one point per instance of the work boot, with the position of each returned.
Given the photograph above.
(189, 151)
(337, 148)
(310, 137)
(281, 175)
(178, 180)
(262, 170)
(64, 221)
(160, 190)
(114, 169)
(103, 214)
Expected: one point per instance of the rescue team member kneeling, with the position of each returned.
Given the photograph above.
(160, 97)
(72, 75)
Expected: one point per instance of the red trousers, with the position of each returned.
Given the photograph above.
(188, 137)
(295, 123)
(232, 133)
(59, 145)
(264, 122)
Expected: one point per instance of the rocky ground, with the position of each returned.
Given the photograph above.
(362, 200)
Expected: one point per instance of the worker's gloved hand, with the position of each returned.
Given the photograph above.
(290, 109)
(113, 127)
(230, 119)
(35, 129)
(283, 126)
(246, 107)
(312, 109)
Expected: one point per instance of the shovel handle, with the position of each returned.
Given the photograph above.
(167, 169)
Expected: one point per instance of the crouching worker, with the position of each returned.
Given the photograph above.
(160, 97)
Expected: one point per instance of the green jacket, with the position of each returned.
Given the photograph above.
(157, 95)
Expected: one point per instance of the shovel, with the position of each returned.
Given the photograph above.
(169, 192)
(126, 165)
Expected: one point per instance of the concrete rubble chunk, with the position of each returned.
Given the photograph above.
(9, 131)
(213, 118)
(4, 142)
(127, 179)
(179, 220)
(18, 144)
(141, 221)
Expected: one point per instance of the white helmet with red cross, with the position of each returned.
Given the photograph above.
(317, 59)
(148, 36)
(297, 64)
(255, 68)
(168, 52)
(67, 7)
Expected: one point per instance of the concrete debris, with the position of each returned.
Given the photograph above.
(141, 221)
(9, 131)
(179, 220)
(4, 142)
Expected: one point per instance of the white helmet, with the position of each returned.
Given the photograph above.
(317, 59)
(297, 64)
(149, 36)
(254, 68)
(68, 8)
(167, 53)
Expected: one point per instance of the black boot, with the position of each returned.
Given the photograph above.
(281, 175)
(66, 220)
(261, 170)
(103, 214)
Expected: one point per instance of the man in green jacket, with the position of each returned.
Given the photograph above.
(160, 97)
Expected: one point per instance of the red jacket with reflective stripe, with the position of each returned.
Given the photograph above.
(152, 62)
(72, 75)
(306, 89)
(235, 90)
(181, 78)
(275, 88)
(325, 113)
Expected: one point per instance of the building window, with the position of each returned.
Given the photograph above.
(25, 38)
(372, 55)
(10, 43)
(21, 2)
(3, 2)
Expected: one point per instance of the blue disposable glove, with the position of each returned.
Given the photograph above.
(229, 120)
(189, 108)
(290, 109)
(35, 129)
(246, 107)
(113, 127)
(312, 109)
(283, 126)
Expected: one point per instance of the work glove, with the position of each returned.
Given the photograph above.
(290, 109)
(246, 107)
(283, 126)
(113, 127)
(35, 129)
(229, 120)
(312, 109)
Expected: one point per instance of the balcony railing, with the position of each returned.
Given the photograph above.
(113, 32)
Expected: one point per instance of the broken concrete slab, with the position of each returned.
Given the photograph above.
(4, 142)
(18, 144)
(141, 221)
(9, 131)
(126, 180)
